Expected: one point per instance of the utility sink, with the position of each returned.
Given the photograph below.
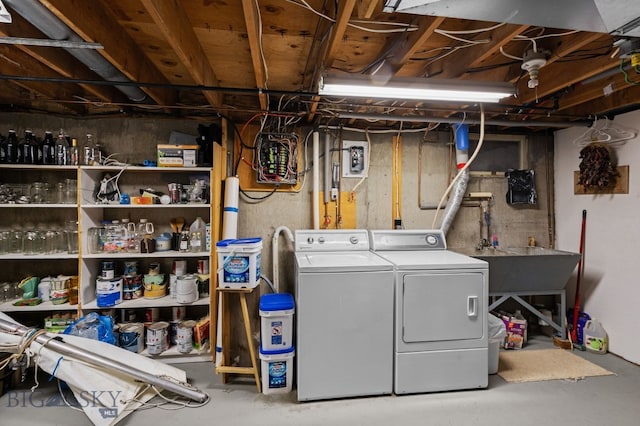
(525, 269)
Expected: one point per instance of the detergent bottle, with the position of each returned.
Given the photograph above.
(595, 337)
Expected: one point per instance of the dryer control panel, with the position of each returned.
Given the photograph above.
(408, 239)
(332, 240)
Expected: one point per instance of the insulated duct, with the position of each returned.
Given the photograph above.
(52, 27)
(460, 188)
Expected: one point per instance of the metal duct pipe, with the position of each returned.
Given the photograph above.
(506, 123)
(460, 188)
(58, 344)
(50, 25)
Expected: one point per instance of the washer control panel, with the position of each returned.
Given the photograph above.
(331, 240)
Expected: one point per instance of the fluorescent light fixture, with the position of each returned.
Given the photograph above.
(5, 16)
(424, 89)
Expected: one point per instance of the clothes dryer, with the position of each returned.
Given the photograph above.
(441, 300)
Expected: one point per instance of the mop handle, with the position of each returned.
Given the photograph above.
(576, 304)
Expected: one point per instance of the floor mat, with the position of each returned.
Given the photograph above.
(546, 364)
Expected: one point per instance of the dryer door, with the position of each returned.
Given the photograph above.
(442, 306)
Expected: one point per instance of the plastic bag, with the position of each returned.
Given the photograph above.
(497, 329)
(93, 326)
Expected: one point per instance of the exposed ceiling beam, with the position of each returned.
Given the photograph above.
(345, 10)
(586, 92)
(174, 24)
(459, 62)
(409, 43)
(16, 62)
(254, 34)
(58, 60)
(92, 22)
(616, 101)
(366, 8)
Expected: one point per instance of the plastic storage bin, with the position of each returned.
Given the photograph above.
(277, 370)
(239, 262)
(276, 314)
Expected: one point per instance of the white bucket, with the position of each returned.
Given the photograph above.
(108, 292)
(277, 371)
(276, 325)
(239, 262)
(186, 289)
(494, 353)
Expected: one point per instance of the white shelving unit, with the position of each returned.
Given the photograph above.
(133, 180)
(30, 216)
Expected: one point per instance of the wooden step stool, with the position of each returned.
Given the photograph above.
(225, 368)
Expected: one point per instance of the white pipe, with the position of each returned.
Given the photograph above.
(316, 179)
(229, 231)
(327, 167)
(274, 254)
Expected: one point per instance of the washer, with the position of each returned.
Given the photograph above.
(441, 300)
(344, 316)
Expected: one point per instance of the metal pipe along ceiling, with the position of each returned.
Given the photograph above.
(52, 27)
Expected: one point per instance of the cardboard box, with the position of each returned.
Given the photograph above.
(516, 332)
(177, 155)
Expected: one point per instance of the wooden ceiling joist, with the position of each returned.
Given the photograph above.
(94, 24)
(252, 21)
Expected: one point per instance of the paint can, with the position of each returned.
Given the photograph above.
(129, 315)
(179, 267)
(131, 267)
(152, 314)
(132, 337)
(178, 313)
(185, 336)
(132, 287)
(187, 289)
(108, 292)
(107, 269)
(203, 266)
(157, 337)
(173, 332)
(173, 279)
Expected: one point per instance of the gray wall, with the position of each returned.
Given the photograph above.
(134, 139)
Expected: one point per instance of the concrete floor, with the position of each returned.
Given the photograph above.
(605, 400)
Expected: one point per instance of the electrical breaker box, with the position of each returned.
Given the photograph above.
(277, 158)
(355, 159)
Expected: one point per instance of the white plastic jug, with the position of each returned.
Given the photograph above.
(595, 337)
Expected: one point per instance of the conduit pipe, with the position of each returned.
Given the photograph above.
(52, 27)
(316, 179)
(275, 255)
(420, 119)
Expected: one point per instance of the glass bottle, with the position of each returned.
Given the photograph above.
(48, 149)
(196, 242)
(184, 241)
(87, 151)
(11, 147)
(62, 150)
(27, 149)
(73, 152)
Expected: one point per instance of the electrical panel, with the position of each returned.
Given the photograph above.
(277, 158)
(355, 159)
